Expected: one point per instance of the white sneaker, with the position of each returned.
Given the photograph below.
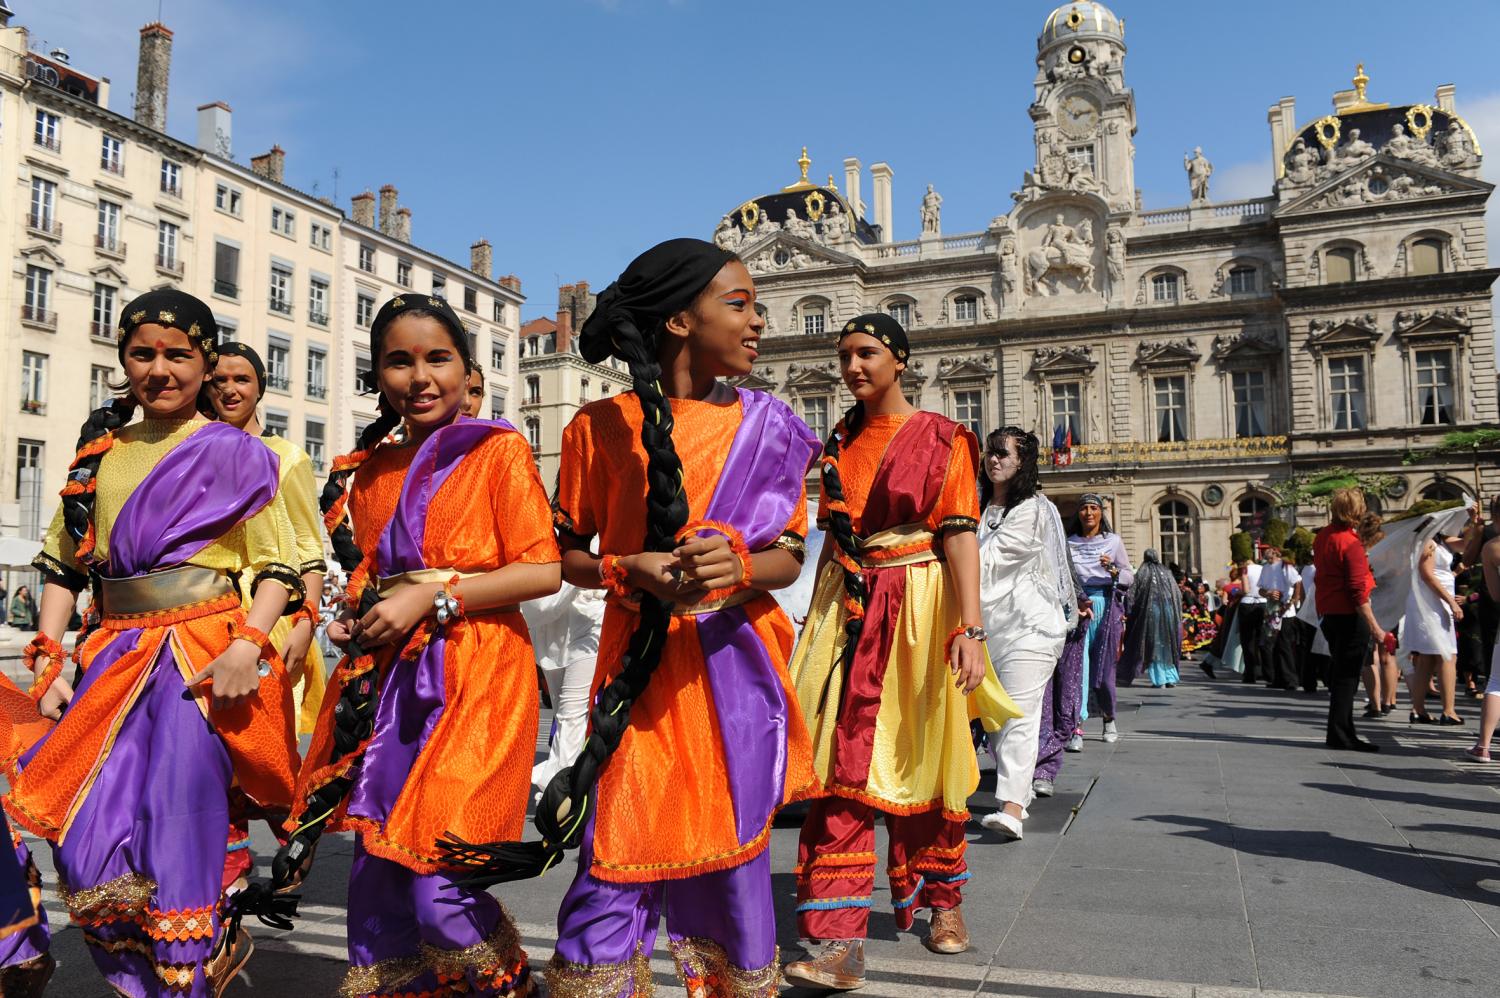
(1075, 744)
(1042, 788)
(1111, 732)
(1007, 825)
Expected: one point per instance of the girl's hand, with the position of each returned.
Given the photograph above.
(298, 643)
(235, 674)
(58, 696)
(1105, 561)
(393, 618)
(340, 630)
(709, 562)
(654, 572)
(967, 663)
(1458, 613)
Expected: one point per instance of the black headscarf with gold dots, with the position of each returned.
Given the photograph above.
(175, 310)
(884, 328)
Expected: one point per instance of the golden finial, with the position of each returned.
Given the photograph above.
(802, 184)
(831, 185)
(1360, 82)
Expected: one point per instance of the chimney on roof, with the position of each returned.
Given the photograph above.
(151, 76)
(402, 228)
(482, 259)
(213, 129)
(388, 209)
(362, 207)
(576, 300)
(271, 165)
(564, 331)
(510, 281)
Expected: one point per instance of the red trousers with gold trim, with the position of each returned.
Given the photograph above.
(836, 866)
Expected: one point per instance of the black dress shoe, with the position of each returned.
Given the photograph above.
(1358, 745)
(1208, 669)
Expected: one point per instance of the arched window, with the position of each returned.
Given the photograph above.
(1255, 513)
(1164, 289)
(1339, 265)
(534, 433)
(1175, 524)
(965, 308)
(1444, 490)
(1425, 256)
(814, 316)
(900, 310)
(533, 390)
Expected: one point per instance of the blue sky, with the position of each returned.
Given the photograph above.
(575, 133)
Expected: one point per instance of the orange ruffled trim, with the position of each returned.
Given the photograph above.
(736, 544)
(43, 644)
(891, 807)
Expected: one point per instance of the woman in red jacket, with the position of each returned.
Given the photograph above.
(1343, 595)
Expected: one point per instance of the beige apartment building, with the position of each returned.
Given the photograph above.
(378, 261)
(106, 206)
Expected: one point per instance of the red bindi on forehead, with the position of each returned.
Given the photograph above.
(161, 344)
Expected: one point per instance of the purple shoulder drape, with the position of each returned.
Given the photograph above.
(758, 491)
(216, 478)
(413, 696)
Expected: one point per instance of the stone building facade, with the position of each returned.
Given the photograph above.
(555, 381)
(1186, 359)
(103, 207)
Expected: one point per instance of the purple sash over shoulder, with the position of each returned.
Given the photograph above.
(413, 696)
(216, 478)
(758, 491)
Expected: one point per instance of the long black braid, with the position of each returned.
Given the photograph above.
(841, 529)
(569, 799)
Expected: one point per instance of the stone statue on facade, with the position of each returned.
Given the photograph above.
(1010, 267)
(1080, 176)
(1403, 146)
(1065, 250)
(1300, 163)
(1458, 151)
(932, 207)
(1114, 254)
(1353, 152)
(1199, 169)
(797, 226)
(728, 235)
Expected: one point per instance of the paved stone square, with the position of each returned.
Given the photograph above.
(1217, 849)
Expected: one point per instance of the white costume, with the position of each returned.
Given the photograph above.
(1428, 626)
(1026, 599)
(565, 633)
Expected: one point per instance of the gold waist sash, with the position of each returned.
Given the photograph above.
(159, 592)
(908, 544)
(389, 584)
(697, 609)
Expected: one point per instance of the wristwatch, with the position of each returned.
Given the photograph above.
(976, 634)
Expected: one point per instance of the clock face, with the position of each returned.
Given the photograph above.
(1077, 118)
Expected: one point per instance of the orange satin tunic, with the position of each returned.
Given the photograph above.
(665, 809)
(859, 460)
(473, 777)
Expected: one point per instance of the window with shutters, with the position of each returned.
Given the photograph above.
(1339, 264)
(226, 270)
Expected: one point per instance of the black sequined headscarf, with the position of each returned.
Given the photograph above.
(884, 328)
(175, 310)
(398, 306)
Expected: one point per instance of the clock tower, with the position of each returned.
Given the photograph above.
(1084, 113)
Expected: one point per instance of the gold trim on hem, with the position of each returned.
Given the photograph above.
(601, 980)
(716, 977)
(128, 894)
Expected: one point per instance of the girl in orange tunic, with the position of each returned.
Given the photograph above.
(895, 609)
(430, 722)
(690, 547)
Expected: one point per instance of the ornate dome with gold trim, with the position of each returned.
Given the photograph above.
(816, 207)
(1083, 19)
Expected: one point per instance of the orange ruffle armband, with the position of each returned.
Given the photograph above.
(736, 544)
(40, 645)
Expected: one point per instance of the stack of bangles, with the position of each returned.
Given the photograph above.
(736, 544)
(43, 645)
(614, 577)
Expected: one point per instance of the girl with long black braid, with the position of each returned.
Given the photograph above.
(891, 664)
(183, 699)
(695, 492)
(430, 722)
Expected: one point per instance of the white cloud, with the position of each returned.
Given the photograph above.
(1242, 180)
